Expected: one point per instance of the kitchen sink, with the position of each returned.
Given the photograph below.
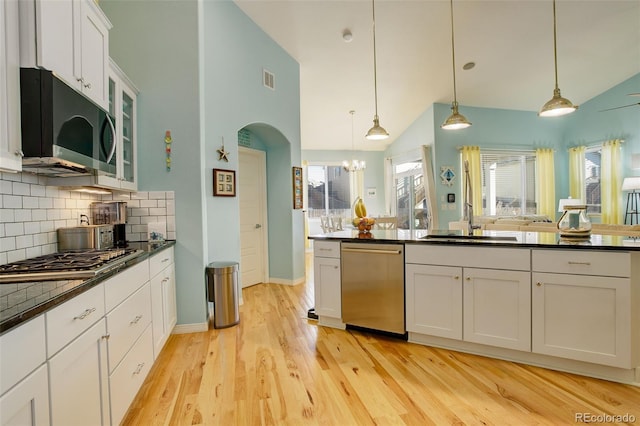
(469, 238)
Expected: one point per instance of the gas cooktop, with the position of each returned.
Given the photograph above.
(66, 265)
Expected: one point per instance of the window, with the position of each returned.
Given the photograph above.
(592, 179)
(411, 202)
(508, 183)
(328, 194)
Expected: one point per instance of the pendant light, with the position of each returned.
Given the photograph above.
(558, 105)
(455, 120)
(353, 165)
(377, 132)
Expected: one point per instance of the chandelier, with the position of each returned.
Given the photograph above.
(353, 165)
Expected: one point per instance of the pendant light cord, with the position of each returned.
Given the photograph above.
(353, 149)
(555, 49)
(375, 73)
(453, 56)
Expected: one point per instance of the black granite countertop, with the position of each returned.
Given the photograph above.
(483, 238)
(20, 302)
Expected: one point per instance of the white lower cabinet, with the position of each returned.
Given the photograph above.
(449, 295)
(327, 279)
(28, 402)
(163, 297)
(584, 318)
(497, 308)
(584, 306)
(127, 378)
(78, 380)
(434, 300)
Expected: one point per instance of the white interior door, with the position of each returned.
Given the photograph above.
(252, 190)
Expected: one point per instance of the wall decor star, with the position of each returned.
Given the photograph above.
(223, 154)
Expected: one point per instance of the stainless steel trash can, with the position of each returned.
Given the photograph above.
(222, 294)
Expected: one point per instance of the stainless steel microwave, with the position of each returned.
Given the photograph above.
(63, 132)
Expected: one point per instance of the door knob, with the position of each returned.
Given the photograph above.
(258, 226)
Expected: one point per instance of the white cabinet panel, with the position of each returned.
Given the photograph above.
(22, 350)
(126, 322)
(497, 308)
(474, 257)
(582, 262)
(327, 287)
(68, 320)
(78, 380)
(119, 287)
(585, 318)
(158, 262)
(434, 300)
(10, 138)
(28, 402)
(326, 248)
(130, 374)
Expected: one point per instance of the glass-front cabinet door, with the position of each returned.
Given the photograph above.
(122, 106)
(127, 125)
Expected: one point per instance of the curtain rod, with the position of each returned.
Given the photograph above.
(507, 149)
(595, 144)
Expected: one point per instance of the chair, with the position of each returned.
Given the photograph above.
(386, 223)
(326, 224)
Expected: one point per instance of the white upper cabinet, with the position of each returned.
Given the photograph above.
(10, 139)
(70, 38)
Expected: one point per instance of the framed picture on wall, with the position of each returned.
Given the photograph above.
(224, 183)
(297, 187)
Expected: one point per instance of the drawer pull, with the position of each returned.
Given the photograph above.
(85, 314)
(106, 336)
(165, 260)
(165, 280)
(579, 263)
(136, 320)
(139, 368)
(324, 249)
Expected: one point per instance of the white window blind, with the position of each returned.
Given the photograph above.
(508, 183)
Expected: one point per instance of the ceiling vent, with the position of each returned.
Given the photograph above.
(268, 79)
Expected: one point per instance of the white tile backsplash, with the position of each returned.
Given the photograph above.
(31, 211)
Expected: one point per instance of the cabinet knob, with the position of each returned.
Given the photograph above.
(106, 336)
(80, 79)
(456, 277)
(468, 278)
(539, 284)
(87, 85)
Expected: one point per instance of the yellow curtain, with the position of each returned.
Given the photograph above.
(611, 182)
(546, 182)
(576, 173)
(472, 155)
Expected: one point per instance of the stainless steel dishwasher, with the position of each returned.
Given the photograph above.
(373, 286)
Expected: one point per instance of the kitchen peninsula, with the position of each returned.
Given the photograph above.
(528, 297)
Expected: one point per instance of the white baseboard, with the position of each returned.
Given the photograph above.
(287, 282)
(190, 328)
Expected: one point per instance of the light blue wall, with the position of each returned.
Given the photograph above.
(510, 129)
(156, 45)
(373, 173)
(589, 126)
(235, 53)
(198, 66)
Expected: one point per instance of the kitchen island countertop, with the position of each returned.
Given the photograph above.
(503, 239)
(23, 301)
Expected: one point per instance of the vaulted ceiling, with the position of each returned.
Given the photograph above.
(510, 42)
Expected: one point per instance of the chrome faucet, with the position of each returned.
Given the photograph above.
(468, 200)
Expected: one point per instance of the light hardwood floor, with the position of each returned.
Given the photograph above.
(278, 368)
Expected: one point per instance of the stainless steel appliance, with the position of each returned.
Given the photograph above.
(373, 286)
(113, 213)
(76, 264)
(63, 132)
(85, 237)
